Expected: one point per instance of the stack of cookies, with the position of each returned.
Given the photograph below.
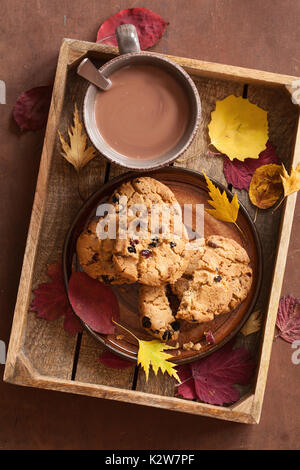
(208, 276)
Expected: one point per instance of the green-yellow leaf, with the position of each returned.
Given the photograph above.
(253, 324)
(223, 209)
(151, 353)
(77, 153)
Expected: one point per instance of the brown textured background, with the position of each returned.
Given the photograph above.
(251, 33)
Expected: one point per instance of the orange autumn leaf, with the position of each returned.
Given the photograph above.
(266, 186)
(291, 183)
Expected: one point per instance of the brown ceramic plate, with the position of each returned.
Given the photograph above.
(189, 187)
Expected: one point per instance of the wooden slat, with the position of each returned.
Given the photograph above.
(61, 205)
(90, 370)
(46, 345)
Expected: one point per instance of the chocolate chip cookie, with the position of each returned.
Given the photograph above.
(221, 281)
(152, 251)
(156, 314)
(182, 284)
(144, 190)
(95, 256)
(217, 279)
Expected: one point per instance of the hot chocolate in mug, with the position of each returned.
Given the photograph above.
(149, 113)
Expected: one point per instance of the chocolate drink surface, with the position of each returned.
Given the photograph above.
(145, 112)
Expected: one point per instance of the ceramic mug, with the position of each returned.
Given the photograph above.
(130, 54)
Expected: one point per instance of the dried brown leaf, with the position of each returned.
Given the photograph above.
(253, 324)
(266, 186)
(77, 153)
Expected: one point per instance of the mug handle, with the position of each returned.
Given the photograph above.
(127, 38)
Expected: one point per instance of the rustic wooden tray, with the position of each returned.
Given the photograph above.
(41, 354)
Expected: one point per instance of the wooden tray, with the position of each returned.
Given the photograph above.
(40, 353)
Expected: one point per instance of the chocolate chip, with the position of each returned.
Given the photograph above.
(146, 322)
(167, 335)
(218, 278)
(173, 300)
(115, 199)
(212, 244)
(154, 242)
(134, 242)
(175, 325)
(172, 244)
(89, 231)
(131, 249)
(146, 253)
(106, 279)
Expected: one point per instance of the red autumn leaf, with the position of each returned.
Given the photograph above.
(288, 318)
(93, 302)
(149, 25)
(187, 386)
(212, 379)
(71, 324)
(51, 302)
(239, 173)
(31, 108)
(114, 362)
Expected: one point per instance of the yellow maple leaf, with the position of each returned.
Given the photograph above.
(77, 153)
(151, 353)
(253, 323)
(291, 183)
(223, 209)
(238, 128)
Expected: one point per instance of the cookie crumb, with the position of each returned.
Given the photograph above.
(119, 337)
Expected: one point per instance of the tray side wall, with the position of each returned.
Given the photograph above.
(279, 270)
(24, 290)
(78, 49)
